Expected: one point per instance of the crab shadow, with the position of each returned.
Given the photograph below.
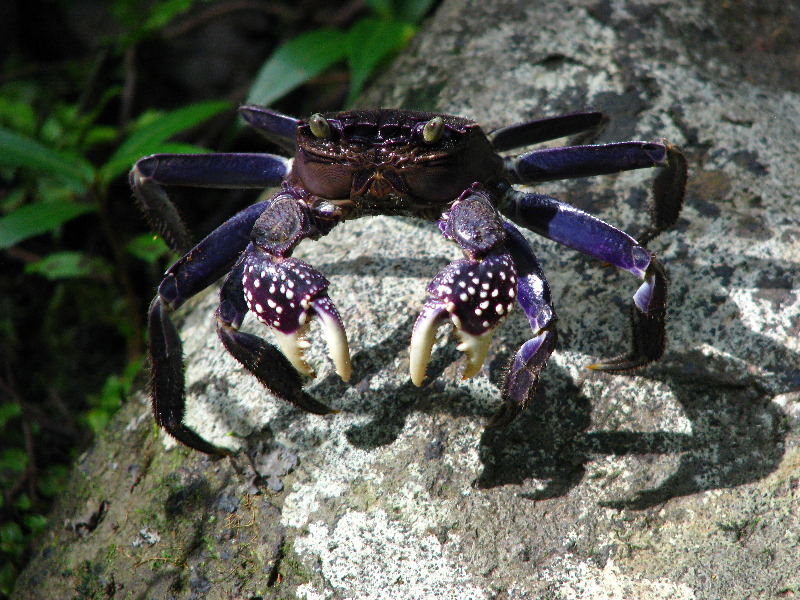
(737, 436)
(737, 433)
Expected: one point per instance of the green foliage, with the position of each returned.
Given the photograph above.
(367, 44)
(105, 404)
(85, 184)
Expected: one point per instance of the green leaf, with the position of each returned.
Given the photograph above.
(8, 411)
(52, 479)
(21, 151)
(14, 459)
(70, 265)
(296, 62)
(35, 523)
(17, 114)
(148, 138)
(369, 42)
(38, 218)
(163, 12)
(148, 248)
(382, 8)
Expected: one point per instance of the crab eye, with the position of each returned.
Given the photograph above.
(433, 130)
(319, 126)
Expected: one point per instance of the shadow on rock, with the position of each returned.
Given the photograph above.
(737, 437)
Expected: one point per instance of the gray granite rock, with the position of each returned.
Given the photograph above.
(681, 480)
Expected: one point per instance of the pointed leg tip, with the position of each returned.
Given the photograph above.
(621, 364)
(504, 416)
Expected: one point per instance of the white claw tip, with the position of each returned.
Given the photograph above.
(292, 345)
(422, 340)
(336, 337)
(475, 349)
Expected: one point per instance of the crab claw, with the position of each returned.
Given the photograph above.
(476, 295)
(285, 294)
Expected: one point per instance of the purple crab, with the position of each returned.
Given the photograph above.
(436, 167)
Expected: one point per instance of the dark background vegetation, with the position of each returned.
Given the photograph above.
(86, 88)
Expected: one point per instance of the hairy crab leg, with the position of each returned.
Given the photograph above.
(533, 294)
(249, 171)
(585, 233)
(543, 130)
(475, 293)
(166, 380)
(195, 271)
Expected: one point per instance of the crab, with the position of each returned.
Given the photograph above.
(436, 167)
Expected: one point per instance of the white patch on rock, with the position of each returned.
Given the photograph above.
(372, 556)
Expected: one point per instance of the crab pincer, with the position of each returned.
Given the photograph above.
(284, 294)
(475, 293)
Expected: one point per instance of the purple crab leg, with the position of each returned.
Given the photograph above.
(193, 272)
(475, 293)
(589, 235)
(166, 380)
(568, 162)
(210, 259)
(585, 161)
(542, 130)
(533, 295)
(279, 129)
(197, 170)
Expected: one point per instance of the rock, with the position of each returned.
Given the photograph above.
(681, 480)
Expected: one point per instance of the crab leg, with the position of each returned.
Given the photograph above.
(571, 162)
(542, 130)
(197, 170)
(475, 293)
(585, 233)
(196, 270)
(533, 294)
(265, 361)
